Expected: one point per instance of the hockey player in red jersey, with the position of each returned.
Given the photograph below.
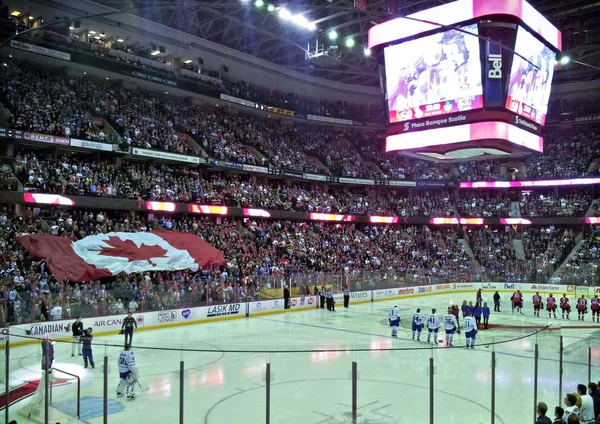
(581, 308)
(551, 306)
(564, 306)
(537, 304)
(517, 299)
(595, 308)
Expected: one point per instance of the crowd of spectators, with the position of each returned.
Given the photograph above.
(483, 204)
(79, 174)
(545, 249)
(58, 102)
(259, 254)
(495, 252)
(567, 154)
(582, 267)
(264, 254)
(242, 89)
(567, 204)
(582, 406)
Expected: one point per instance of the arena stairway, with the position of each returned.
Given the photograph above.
(515, 209)
(593, 207)
(316, 163)
(193, 144)
(519, 249)
(265, 160)
(467, 248)
(579, 241)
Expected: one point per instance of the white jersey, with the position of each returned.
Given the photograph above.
(417, 318)
(394, 313)
(470, 324)
(127, 362)
(433, 321)
(450, 322)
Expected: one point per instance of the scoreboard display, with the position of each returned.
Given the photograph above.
(434, 75)
(481, 67)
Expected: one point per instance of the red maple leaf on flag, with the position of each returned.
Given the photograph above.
(128, 249)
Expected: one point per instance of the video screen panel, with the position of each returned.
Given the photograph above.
(531, 79)
(434, 75)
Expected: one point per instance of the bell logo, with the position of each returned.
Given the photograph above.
(496, 66)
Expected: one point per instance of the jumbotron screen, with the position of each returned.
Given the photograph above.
(434, 75)
(529, 85)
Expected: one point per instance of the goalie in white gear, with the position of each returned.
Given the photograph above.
(433, 324)
(450, 326)
(470, 326)
(394, 320)
(417, 324)
(128, 373)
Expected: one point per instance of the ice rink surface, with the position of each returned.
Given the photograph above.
(315, 387)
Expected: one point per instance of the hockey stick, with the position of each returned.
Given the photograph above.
(142, 389)
(484, 343)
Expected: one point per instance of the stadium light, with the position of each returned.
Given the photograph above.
(285, 14)
(367, 52)
(350, 42)
(565, 60)
(259, 3)
(332, 35)
(311, 26)
(271, 8)
(300, 21)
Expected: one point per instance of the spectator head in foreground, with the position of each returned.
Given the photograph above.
(542, 408)
(573, 419)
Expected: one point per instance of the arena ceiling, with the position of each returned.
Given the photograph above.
(240, 25)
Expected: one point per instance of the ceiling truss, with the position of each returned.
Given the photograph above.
(243, 27)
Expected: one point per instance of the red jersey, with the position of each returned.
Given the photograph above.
(581, 303)
(595, 303)
(551, 302)
(536, 299)
(517, 297)
(564, 302)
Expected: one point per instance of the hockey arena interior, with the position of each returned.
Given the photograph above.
(299, 212)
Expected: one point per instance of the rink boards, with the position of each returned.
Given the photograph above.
(185, 316)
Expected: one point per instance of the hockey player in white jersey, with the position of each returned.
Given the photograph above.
(128, 373)
(417, 324)
(470, 326)
(450, 326)
(433, 324)
(394, 320)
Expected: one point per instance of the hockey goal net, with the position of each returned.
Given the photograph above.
(64, 399)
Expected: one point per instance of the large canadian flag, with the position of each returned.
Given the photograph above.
(109, 254)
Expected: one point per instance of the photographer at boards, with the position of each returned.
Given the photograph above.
(86, 340)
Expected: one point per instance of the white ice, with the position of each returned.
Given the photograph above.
(315, 387)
